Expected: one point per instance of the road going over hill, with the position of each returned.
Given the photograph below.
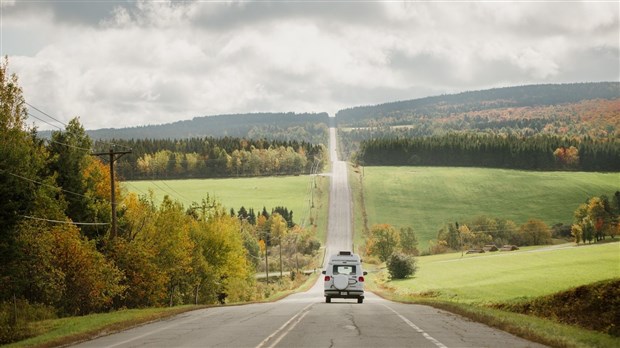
(305, 320)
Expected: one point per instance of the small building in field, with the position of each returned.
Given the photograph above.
(509, 248)
(490, 247)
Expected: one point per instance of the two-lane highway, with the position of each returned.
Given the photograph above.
(305, 320)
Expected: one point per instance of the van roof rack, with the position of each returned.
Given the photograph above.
(344, 253)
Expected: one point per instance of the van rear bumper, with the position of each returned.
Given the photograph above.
(344, 293)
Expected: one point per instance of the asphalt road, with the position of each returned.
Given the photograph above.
(305, 320)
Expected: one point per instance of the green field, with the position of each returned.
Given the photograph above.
(468, 285)
(426, 198)
(292, 192)
(504, 276)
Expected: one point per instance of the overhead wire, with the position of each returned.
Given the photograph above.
(60, 128)
(44, 113)
(177, 192)
(60, 189)
(42, 120)
(66, 222)
(64, 124)
(48, 185)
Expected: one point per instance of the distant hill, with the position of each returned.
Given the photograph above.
(404, 112)
(533, 107)
(281, 126)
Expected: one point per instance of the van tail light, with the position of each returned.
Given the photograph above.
(327, 278)
(361, 279)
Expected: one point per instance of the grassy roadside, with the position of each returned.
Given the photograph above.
(65, 331)
(470, 285)
(532, 328)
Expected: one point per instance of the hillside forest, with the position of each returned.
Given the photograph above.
(546, 127)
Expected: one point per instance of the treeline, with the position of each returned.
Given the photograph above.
(309, 127)
(215, 157)
(59, 255)
(441, 106)
(594, 220)
(494, 151)
(482, 231)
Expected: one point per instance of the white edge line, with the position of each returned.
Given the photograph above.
(304, 311)
(416, 328)
(161, 329)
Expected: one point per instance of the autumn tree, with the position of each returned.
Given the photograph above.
(408, 241)
(63, 269)
(596, 219)
(228, 273)
(71, 160)
(534, 232)
(568, 157)
(22, 164)
(383, 241)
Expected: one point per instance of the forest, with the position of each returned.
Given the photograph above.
(539, 152)
(545, 127)
(405, 112)
(214, 157)
(304, 127)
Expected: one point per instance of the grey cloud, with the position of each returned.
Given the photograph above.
(78, 12)
(226, 16)
(166, 61)
(591, 65)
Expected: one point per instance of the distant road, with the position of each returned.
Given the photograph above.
(305, 320)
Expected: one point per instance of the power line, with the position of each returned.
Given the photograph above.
(44, 113)
(53, 125)
(66, 222)
(68, 145)
(162, 189)
(48, 185)
(177, 192)
(134, 187)
(60, 128)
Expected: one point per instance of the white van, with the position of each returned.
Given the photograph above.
(344, 277)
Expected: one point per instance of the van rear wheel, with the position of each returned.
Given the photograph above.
(360, 300)
(328, 299)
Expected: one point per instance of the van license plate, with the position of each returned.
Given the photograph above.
(343, 293)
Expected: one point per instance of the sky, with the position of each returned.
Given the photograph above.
(124, 63)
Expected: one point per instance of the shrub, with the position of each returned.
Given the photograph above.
(401, 265)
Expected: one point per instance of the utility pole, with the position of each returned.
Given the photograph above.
(113, 158)
(266, 265)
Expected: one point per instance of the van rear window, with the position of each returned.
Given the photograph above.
(344, 269)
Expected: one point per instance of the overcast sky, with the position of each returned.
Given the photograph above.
(126, 63)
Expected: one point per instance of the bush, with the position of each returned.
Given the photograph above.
(401, 266)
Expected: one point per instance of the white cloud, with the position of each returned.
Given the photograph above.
(149, 62)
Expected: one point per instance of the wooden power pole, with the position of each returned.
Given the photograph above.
(113, 158)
